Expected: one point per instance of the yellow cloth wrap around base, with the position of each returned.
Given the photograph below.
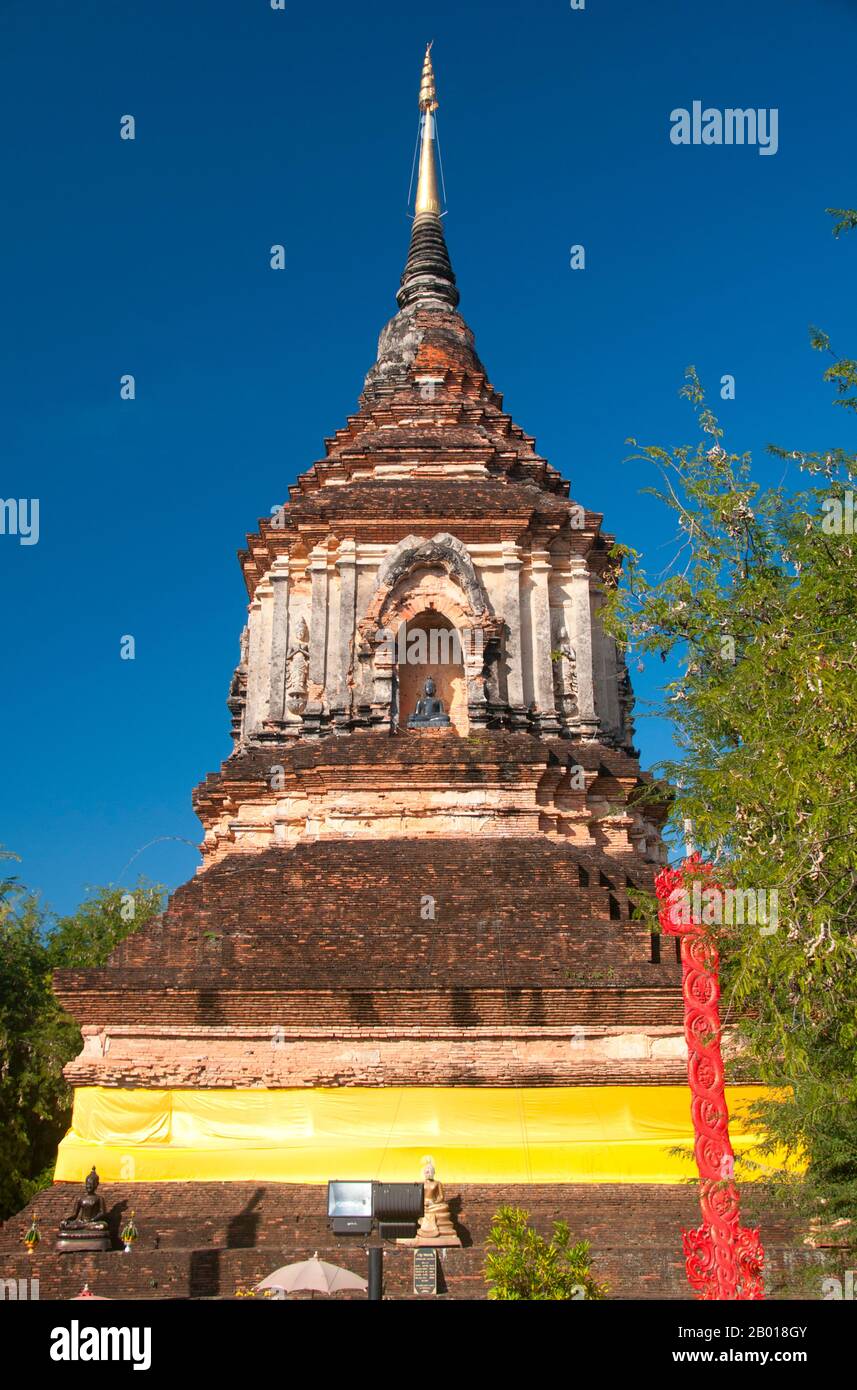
(563, 1134)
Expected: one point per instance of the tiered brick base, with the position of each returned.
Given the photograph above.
(207, 1240)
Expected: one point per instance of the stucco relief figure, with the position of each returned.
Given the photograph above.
(237, 698)
(297, 669)
(490, 674)
(626, 702)
(564, 670)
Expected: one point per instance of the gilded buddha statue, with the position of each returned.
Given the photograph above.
(435, 1226)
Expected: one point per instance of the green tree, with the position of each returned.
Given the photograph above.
(521, 1265)
(758, 612)
(87, 937)
(36, 1037)
(34, 1045)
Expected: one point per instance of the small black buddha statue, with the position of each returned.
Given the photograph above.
(429, 713)
(86, 1228)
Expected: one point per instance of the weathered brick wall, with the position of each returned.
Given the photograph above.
(205, 1240)
(530, 940)
(510, 913)
(372, 786)
(372, 1056)
(214, 997)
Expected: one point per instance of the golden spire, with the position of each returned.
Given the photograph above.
(428, 280)
(428, 198)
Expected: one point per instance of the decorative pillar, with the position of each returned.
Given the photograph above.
(587, 719)
(383, 670)
(341, 694)
(279, 638)
(724, 1259)
(265, 593)
(475, 643)
(604, 665)
(313, 713)
(367, 569)
(512, 607)
(541, 568)
(253, 714)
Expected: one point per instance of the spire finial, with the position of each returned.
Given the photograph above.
(428, 280)
(428, 198)
(428, 92)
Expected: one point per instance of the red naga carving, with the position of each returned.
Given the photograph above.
(724, 1259)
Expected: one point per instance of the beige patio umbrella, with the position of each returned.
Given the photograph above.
(313, 1274)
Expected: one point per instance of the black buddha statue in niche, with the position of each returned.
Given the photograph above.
(429, 713)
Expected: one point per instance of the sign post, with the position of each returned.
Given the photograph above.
(425, 1271)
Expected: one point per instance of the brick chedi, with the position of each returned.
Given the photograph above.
(407, 940)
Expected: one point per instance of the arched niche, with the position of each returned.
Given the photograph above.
(436, 577)
(430, 645)
(443, 552)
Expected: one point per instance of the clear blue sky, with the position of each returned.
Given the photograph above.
(257, 126)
